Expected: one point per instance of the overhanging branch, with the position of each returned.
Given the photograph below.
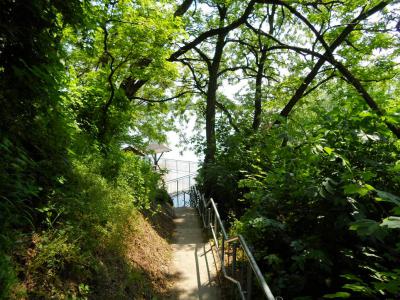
(229, 116)
(212, 32)
(162, 100)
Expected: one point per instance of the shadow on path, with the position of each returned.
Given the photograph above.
(193, 259)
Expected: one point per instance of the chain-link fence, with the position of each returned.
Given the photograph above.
(179, 177)
(178, 168)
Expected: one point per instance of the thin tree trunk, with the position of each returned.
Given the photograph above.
(258, 92)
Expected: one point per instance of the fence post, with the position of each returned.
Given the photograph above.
(177, 192)
(249, 283)
(216, 225)
(241, 272)
(234, 259)
(223, 252)
(208, 217)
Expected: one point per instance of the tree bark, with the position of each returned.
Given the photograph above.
(212, 99)
(182, 9)
(364, 93)
(258, 92)
(260, 67)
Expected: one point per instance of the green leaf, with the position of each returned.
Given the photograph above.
(391, 222)
(396, 167)
(365, 114)
(387, 197)
(392, 286)
(273, 259)
(337, 295)
(362, 190)
(358, 288)
(396, 210)
(351, 277)
(328, 150)
(365, 227)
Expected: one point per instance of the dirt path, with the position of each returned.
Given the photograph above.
(193, 259)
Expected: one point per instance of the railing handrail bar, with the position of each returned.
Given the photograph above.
(186, 191)
(232, 239)
(256, 269)
(171, 159)
(250, 257)
(218, 218)
(176, 179)
(206, 204)
(239, 286)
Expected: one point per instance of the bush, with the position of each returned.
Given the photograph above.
(315, 207)
(162, 197)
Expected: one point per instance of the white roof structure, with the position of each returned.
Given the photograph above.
(158, 148)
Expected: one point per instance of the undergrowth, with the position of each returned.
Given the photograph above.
(80, 248)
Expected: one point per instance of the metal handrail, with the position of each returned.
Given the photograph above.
(212, 220)
(180, 188)
(256, 269)
(182, 177)
(178, 160)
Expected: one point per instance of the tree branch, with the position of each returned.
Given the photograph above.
(198, 85)
(228, 114)
(212, 32)
(318, 84)
(112, 71)
(328, 56)
(204, 56)
(367, 97)
(342, 36)
(183, 8)
(232, 69)
(162, 100)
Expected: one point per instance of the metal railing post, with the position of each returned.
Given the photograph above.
(215, 222)
(177, 192)
(249, 283)
(211, 219)
(208, 217)
(234, 258)
(223, 251)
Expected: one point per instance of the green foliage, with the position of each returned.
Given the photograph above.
(318, 206)
(8, 276)
(93, 216)
(316, 192)
(162, 197)
(69, 195)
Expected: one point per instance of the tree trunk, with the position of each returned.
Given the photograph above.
(258, 93)
(212, 99)
(212, 88)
